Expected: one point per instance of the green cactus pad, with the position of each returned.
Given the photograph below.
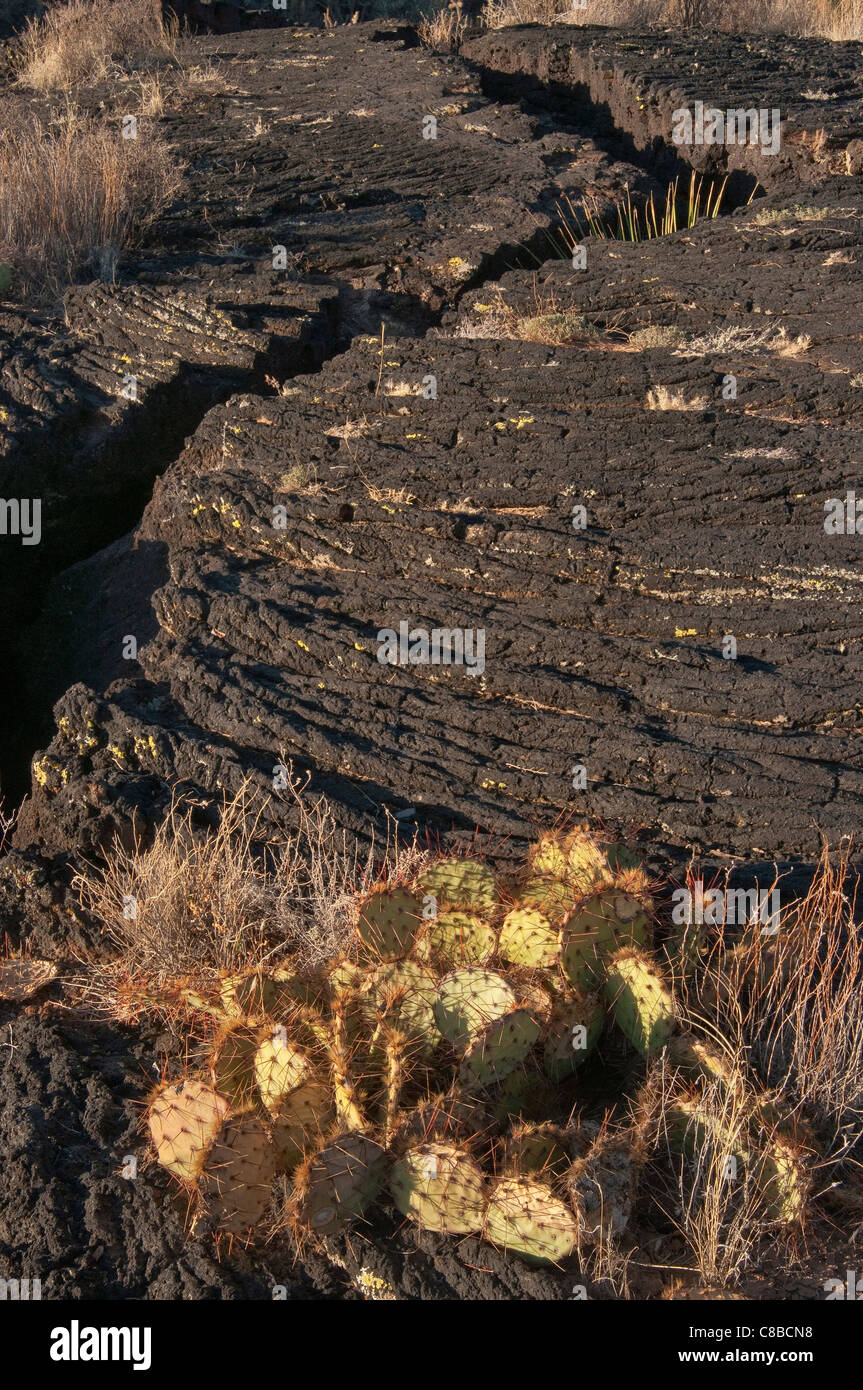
(300, 1119)
(460, 883)
(575, 859)
(499, 1049)
(458, 938)
(528, 939)
(184, 1121)
(783, 1182)
(525, 1218)
(571, 1035)
(250, 996)
(280, 1067)
(233, 1065)
(602, 924)
(388, 923)
(621, 859)
(340, 1183)
(532, 1150)
(640, 1002)
(439, 1187)
(468, 1001)
(548, 896)
(688, 1126)
(238, 1175)
(515, 1098)
(403, 994)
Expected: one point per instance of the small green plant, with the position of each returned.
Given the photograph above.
(634, 220)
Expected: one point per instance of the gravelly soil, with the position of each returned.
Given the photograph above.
(257, 641)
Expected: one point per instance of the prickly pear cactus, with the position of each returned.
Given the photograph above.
(388, 923)
(461, 883)
(184, 1121)
(442, 1061)
(640, 1001)
(457, 938)
(339, 1182)
(440, 1187)
(525, 1217)
(527, 938)
(238, 1175)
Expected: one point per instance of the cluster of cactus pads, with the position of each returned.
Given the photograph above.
(433, 1066)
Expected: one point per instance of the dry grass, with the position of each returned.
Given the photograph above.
(547, 322)
(802, 1004)
(444, 30)
(73, 195)
(727, 338)
(716, 1200)
(192, 907)
(669, 398)
(83, 40)
(831, 19)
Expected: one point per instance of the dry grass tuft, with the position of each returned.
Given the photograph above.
(193, 907)
(802, 1009)
(840, 20)
(716, 1201)
(444, 30)
(668, 398)
(547, 322)
(81, 41)
(72, 195)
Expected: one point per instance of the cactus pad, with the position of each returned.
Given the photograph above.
(184, 1121)
(525, 1217)
(535, 1150)
(341, 1182)
(642, 1005)
(602, 924)
(234, 1065)
(499, 1048)
(439, 1187)
(527, 938)
(388, 922)
(299, 1120)
(460, 883)
(249, 996)
(238, 1174)
(280, 1067)
(783, 1182)
(445, 1119)
(571, 1035)
(548, 896)
(468, 1000)
(458, 938)
(403, 993)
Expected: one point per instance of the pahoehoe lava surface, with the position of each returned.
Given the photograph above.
(284, 530)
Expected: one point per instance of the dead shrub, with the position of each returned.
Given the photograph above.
(194, 906)
(73, 195)
(81, 40)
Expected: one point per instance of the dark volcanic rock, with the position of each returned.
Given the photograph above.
(633, 83)
(604, 646)
(430, 472)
